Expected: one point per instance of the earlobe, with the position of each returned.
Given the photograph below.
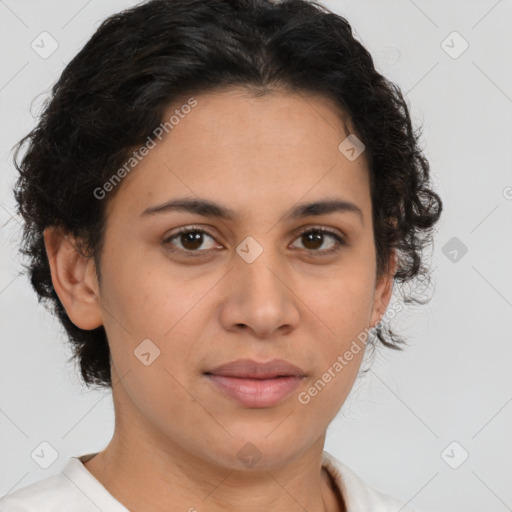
(384, 290)
(74, 279)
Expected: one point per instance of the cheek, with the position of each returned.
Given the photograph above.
(344, 300)
(145, 295)
(151, 310)
(150, 345)
(343, 314)
(343, 317)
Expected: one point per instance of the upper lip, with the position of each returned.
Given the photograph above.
(249, 369)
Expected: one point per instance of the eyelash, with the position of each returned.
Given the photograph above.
(193, 229)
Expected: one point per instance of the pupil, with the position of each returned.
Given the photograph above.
(313, 236)
(193, 240)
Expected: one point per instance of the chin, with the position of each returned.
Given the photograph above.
(253, 451)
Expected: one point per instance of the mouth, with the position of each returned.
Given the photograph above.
(256, 385)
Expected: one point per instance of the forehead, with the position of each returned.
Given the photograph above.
(220, 113)
(233, 146)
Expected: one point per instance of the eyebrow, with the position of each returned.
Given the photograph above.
(208, 208)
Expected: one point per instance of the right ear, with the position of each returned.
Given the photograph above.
(74, 279)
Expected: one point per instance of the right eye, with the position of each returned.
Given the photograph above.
(190, 238)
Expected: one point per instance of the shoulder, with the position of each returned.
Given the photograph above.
(74, 489)
(49, 495)
(358, 495)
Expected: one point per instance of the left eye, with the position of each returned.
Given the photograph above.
(316, 235)
(191, 239)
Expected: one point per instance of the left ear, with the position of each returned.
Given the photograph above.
(384, 290)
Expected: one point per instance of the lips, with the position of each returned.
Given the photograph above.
(249, 369)
(254, 384)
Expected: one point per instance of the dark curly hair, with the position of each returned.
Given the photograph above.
(112, 96)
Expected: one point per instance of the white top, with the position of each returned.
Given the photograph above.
(75, 489)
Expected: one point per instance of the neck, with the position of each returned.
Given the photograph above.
(142, 476)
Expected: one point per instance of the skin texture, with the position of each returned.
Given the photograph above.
(176, 436)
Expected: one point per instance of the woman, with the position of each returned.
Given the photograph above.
(219, 198)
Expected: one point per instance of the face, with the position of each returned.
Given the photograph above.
(259, 284)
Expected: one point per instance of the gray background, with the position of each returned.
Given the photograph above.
(452, 384)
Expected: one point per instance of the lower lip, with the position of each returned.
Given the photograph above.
(256, 392)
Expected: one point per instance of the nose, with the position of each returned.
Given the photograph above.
(261, 297)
